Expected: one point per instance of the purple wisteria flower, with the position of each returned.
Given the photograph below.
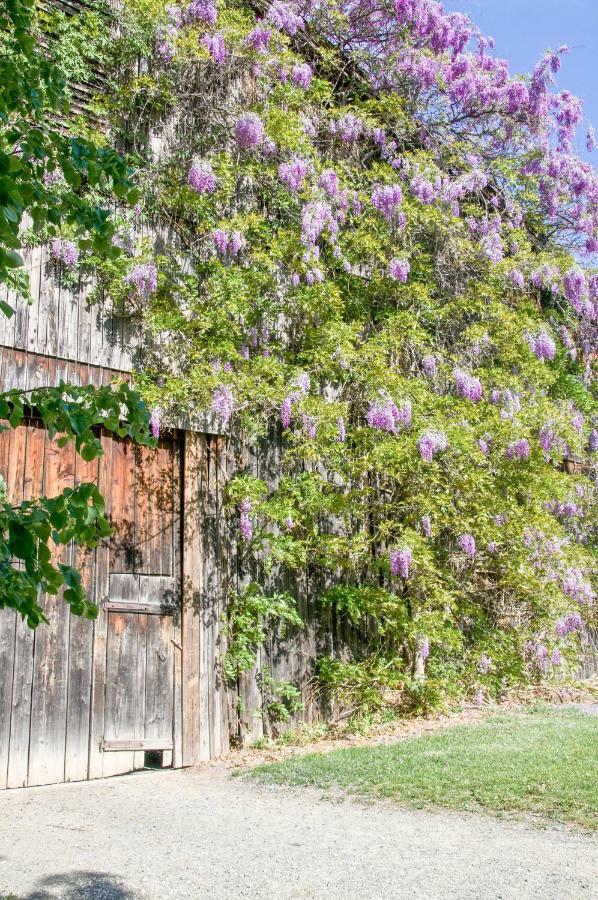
(317, 217)
(385, 415)
(294, 172)
(52, 177)
(519, 450)
(249, 131)
(426, 524)
(201, 11)
(201, 178)
(423, 190)
(65, 252)
(341, 430)
(328, 181)
(154, 423)
(144, 279)
(546, 437)
(543, 346)
(301, 385)
(571, 623)
(348, 128)
(220, 239)
(556, 659)
(285, 17)
(467, 544)
(575, 287)
(576, 586)
(302, 75)
(400, 562)
(245, 523)
(485, 664)
(467, 385)
(430, 443)
(286, 412)
(398, 269)
(236, 243)
(259, 38)
(517, 279)
(429, 365)
(387, 199)
(593, 441)
(223, 403)
(214, 44)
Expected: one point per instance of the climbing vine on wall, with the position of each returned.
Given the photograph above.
(378, 239)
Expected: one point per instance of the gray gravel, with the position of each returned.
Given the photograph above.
(202, 834)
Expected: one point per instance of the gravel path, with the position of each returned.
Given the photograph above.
(202, 834)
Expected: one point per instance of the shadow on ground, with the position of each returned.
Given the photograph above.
(76, 886)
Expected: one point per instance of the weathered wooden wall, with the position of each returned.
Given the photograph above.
(82, 699)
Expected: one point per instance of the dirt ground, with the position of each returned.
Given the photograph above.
(202, 833)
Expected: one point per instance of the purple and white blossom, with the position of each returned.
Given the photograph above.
(467, 544)
(201, 178)
(400, 562)
(430, 443)
(398, 269)
(144, 279)
(542, 346)
(249, 131)
(519, 449)
(468, 386)
(223, 403)
(245, 522)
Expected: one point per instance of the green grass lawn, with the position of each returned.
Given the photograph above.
(543, 762)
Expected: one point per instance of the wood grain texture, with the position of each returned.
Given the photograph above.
(193, 456)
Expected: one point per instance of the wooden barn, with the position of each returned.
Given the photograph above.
(144, 682)
(85, 700)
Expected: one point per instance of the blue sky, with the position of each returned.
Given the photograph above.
(524, 29)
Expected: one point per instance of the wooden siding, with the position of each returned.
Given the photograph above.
(72, 323)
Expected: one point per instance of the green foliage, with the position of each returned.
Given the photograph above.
(33, 100)
(250, 612)
(28, 565)
(280, 701)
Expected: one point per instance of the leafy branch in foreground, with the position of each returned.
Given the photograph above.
(28, 565)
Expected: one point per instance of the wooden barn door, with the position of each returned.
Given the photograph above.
(143, 605)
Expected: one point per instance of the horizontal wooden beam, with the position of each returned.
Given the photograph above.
(110, 746)
(129, 606)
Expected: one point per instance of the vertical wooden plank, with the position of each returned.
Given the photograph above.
(50, 666)
(51, 293)
(8, 621)
(207, 563)
(32, 260)
(122, 715)
(251, 721)
(177, 630)
(213, 600)
(80, 655)
(164, 486)
(159, 684)
(86, 325)
(68, 322)
(192, 461)
(25, 639)
(123, 550)
(105, 484)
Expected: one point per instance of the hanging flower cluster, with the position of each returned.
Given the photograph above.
(65, 252)
(144, 280)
